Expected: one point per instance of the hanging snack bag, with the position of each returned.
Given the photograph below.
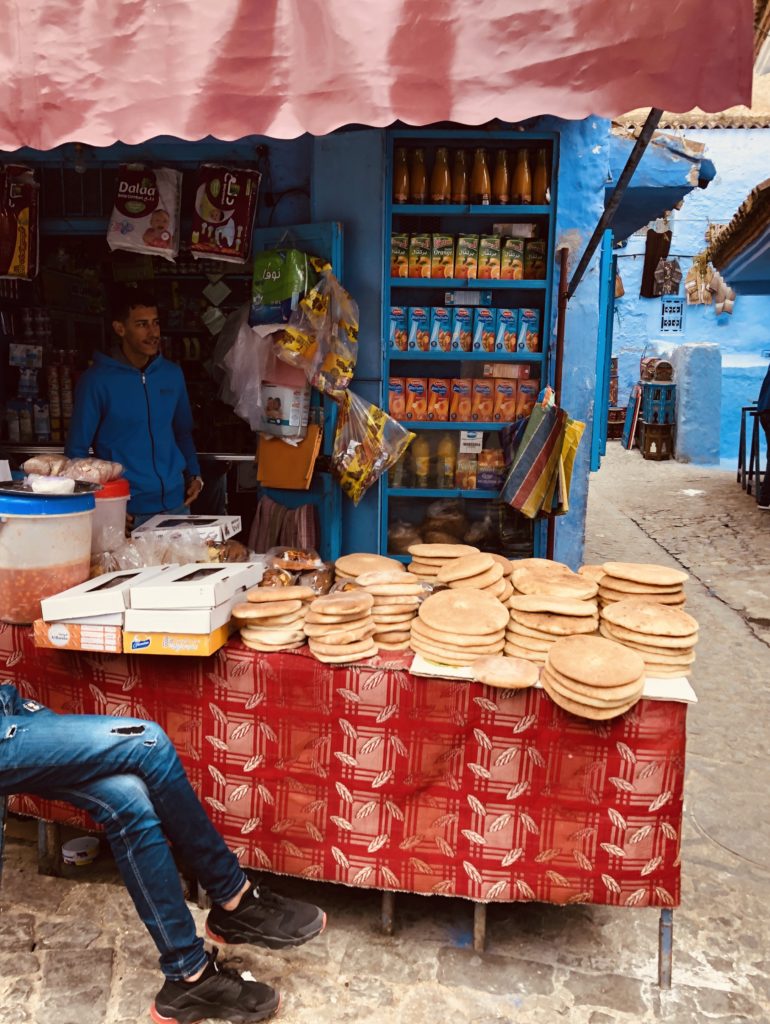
(145, 217)
(280, 279)
(223, 218)
(366, 444)
(19, 193)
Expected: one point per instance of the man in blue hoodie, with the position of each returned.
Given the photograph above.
(763, 408)
(131, 406)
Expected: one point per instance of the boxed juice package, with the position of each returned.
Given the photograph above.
(526, 397)
(529, 330)
(398, 332)
(512, 371)
(419, 255)
(505, 392)
(491, 469)
(489, 258)
(506, 335)
(512, 260)
(441, 324)
(419, 329)
(462, 330)
(396, 398)
(460, 400)
(465, 472)
(467, 257)
(442, 256)
(439, 389)
(534, 259)
(399, 255)
(416, 405)
(482, 400)
(484, 326)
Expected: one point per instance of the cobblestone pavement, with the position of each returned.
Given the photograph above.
(72, 950)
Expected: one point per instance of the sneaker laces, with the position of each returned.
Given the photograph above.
(226, 968)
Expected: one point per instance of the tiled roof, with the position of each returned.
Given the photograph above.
(755, 116)
(750, 221)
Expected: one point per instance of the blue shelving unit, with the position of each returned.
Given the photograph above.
(471, 218)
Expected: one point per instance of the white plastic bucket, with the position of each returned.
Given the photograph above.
(110, 516)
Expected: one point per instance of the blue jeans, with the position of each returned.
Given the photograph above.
(125, 773)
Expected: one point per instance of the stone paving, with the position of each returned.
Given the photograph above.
(73, 952)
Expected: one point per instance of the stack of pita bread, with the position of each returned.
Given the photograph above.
(457, 627)
(427, 559)
(623, 580)
(396, 596)
(272, 618)
(593, 677)
(663, 636)
(348, 567)
(340, 628)
(480, 571)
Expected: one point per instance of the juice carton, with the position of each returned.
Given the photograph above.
(467, 257)
(505, 392)
(529, 330)
(534, 259)
(484, 325)
(398, 336)
(489, 258)
(462, 330)
(419, 329)
(399, 255)
(482, 400)
(419, 255)
(491, 469)
(511, 371)
(442, 320)
(506, 335)
(442, 256)
(416, 390)
(526, 397)
(512, 260)
(396, 397)
(438, 399)
(460, 401)
(465, 472)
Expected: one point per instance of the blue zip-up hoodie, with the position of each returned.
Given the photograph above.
(763, 402)
(141, 418)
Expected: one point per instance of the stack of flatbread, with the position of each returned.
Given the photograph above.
(623, 580)
(505, 673)
(593, 572)
(538, 621)
(348, 567)
(456, 627)
(663, 636)
(397, 596)
(540, 567)
(593, 677)
(427, 559)
(480, 571)
(552, 579)
(340, 628)
(272, 618)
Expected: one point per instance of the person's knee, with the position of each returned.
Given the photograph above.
(10, 698)
(149, 734)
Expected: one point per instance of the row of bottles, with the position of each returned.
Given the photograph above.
(521, 184)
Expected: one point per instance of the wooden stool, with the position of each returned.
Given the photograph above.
(657, 441)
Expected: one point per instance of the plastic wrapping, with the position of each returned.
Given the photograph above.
(91, 471)
(321, 580)
(243, 355)
(280, 279)
(401, 536)
(366, 444)
(293, 559)
(446, 515)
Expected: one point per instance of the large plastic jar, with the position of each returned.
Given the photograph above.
(45, 547)
(110, 516)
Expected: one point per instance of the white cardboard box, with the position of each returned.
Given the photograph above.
(197, 585)
(187, 620)
(103, 595)
(216, 528)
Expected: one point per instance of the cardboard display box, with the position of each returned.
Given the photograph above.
(196, 586)
(71, 636)
(186, 620)
(215, 528)
(184, 644)
(103, 595)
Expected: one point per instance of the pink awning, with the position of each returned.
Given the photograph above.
(97, 71)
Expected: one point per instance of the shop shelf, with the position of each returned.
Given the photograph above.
(521, 212)
(435, 492)
(464, 357)
(450, 425)
(457, 282)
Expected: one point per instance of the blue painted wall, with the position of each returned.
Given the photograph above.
(741, 157)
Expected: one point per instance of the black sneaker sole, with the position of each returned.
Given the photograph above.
(236, 938)
(233, 1016)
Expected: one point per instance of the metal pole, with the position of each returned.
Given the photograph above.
(665, 946)
(606, 219)
(561, 321)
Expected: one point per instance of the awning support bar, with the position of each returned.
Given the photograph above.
(606, 219)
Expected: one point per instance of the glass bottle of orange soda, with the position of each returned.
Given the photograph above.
(540, 190)
(481, 185)
(460, 178)
(501, 183)
(418, 178)
(400, 177)
(440, 179)
(521, 187)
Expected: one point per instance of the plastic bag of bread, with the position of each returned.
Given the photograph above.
(276, 578)
(92, 471)
(293, 559)
(446, 515)
(46, 465)
(401, 535)
(367, 443)
(482, 534)
(319, 580)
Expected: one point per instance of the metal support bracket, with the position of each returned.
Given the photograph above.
(665, 946)
(479, 927)
(388, 911)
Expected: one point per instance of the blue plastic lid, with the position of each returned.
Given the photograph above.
(45, 504)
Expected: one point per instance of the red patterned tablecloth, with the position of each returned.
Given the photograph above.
(374, 777)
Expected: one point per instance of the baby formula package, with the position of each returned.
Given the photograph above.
(145, 217)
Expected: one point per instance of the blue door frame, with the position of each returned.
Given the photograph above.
(607, 268)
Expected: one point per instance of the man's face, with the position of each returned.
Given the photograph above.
(139, 334)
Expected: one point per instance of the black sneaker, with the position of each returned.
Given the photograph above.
(219, 994)
(263, 918)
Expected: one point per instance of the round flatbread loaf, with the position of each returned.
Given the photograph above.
(345, 659)
(347, 603)
(593, 572)
(507, 592)
(353, 566)
(588, 699)
(443, 656)
(274, 637)
(466, 566)
(530, 643)
(438, 636)
(335, 619)
(383, 601)
(506, 563)
(344, 635)
(255, 645)
(609, 596)
(397, 616)
(441, 550)
(641, 572)
(458, 652)
(398, 626)
(514, 626)
(649, 617)
(514, 651)
(394, 636)
(293, 619)
(498, 588)
(552, 605)
(541, 565)
(595, 661)
(410, 591)
(403, 646)
(644, 642)
(368, 579)
(601, 693)
(667, 672)
(631, 589)
(467, 612)
(505, 673)
(580, 588)
(255, 610)
(420, 569)
(279, 595)
(482, 581)
(556, 625)
(321, 647)
(584, 710)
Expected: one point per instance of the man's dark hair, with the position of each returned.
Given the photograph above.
(124, 298)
